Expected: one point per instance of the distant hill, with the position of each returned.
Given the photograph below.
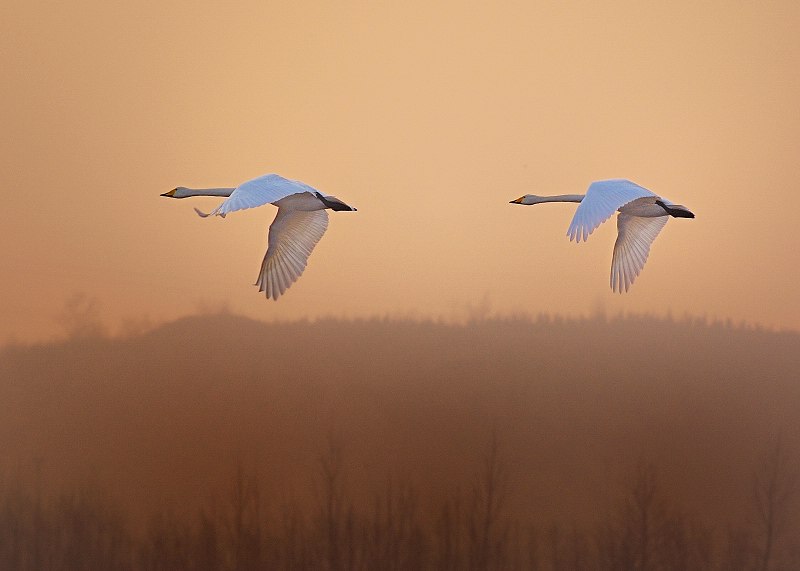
(165, 417)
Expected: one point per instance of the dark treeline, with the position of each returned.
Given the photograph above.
(250, 528)
(217, 442)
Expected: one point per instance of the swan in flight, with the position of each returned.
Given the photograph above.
(642, 215)
(300, 223)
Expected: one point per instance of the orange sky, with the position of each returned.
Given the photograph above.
(427, 118)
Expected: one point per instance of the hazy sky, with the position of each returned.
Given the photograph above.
(428, 117)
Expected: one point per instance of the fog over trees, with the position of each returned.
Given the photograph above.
(218, 442)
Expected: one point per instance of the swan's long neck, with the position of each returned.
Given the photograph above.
(183, 192)
(561, 198)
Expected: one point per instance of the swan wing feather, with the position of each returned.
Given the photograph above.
(292, 237)
(634, 237)
(602, 199)
(259, 191)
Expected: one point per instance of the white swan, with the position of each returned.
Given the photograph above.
(642, 215)
(300, 223)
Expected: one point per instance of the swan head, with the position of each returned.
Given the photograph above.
(528, 199)
(179, 192)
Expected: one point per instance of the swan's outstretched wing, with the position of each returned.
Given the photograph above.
(292, 236)
(602, 199)
(634, 237)
(258, 192)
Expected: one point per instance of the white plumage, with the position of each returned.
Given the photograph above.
(632, 248)
(642, 215)
(292, 237)
(298, 226)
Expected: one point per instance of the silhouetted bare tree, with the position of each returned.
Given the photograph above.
(628, 541)
(244, 523)
(332, 503)
(487, 528)
(449, 536)
(648, 534)
(167, 544)
(207, 552)
(293, 539)
(774, 485)
(394, 536)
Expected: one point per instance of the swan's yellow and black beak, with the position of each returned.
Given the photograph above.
(517, 201)
(171, 193)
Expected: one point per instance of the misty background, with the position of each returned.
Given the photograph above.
(565, 418)
(451, 384)
(428, 118)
